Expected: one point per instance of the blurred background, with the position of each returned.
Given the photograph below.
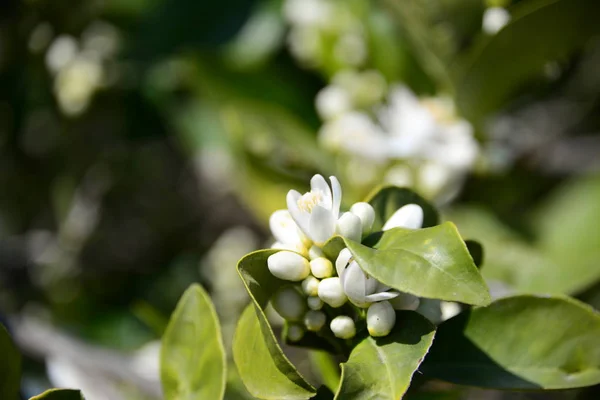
(144, 144)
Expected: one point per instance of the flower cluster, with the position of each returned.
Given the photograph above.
(336, 288)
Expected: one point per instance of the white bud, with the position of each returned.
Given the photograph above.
(298, 248)
(332, 292)
(289, 303)
(343, 327)
(288, 266)
(409, 216)
(295, 332)
(321, 267)
(349, 226)
(314, 320)
(366, 213)
(310, 286)
(449, 309)
(314, 303)
(381, 318)
(315, 252)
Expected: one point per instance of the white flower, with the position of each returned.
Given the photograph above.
(314, 320)
(321, 267)
(360, 288)
(289, 303)
(332, 101)
(288, 266)
(287, 234)
(332, 293)
(317, 211)
(307, 12)
(343, 327)
(409, 216)
(314, 303)
(381, 318)
(310, 286)
(494, 19)
(366, 213)
(295, 332)
(349, 226)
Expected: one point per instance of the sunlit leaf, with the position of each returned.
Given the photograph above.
(59, 394)
(254, 342)
(382, 368)
(522, 342)
(192, 353)
(10, 367)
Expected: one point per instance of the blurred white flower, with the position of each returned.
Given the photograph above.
(307, 12)
(494, 19)
(76, 83)
(361, 289)
(61, 52)
(295, 332)
(314, 320)
(316, 212)
(332, 101)
(351, 49)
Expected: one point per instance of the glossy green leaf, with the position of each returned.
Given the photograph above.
(521, 342)
(10, 367)
(327, 368)
(59, 394)
(254, 342)
(264, 369)
(539, 32)
(387, 200)
(431, 262)
(382, 368)
(192, 354)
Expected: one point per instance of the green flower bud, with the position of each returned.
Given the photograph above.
(288, 266)
(289, 303)
(314, 320)
(381, 318)
(314, 303)
(343, 327)
(295, 332)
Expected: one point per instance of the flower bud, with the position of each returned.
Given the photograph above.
(381, 318)
(289, 303)
(310, 286)
(331, 292)
(409, 216)
(314, 303)
(343, 327)
(349, 226)
(314, 320)
(288, 266)
(298, 248)
(366, 213)
(321, 267)
(405, 301)
(295, 332)
(315, 252)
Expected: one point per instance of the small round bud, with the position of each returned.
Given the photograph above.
(315, 252)
(295, 332)
(332, 292)
(366, 213)
(343, 327)
(405, 301)
(321, 267)
(288, 266)
(349, 226)
(314, 320)
(314, 303)
(310, 286)
(381, 318)
(289, 303)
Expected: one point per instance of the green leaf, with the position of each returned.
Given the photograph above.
(476, 250)
(387, 200)
(264, 369)
(522, 342)
(326, 367)
(192, 354)
(254, 342)
(59, 394)
(10, 367)
(539, 32)
(382, 368)
(431, 262)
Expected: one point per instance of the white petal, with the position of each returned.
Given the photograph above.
(301, 218)
(354, 283)
(321, 225)
(337, 196)
(318, 183)
(283, 227)
(349, 226)
(381, 296)
(342, 261)
(410, 216)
